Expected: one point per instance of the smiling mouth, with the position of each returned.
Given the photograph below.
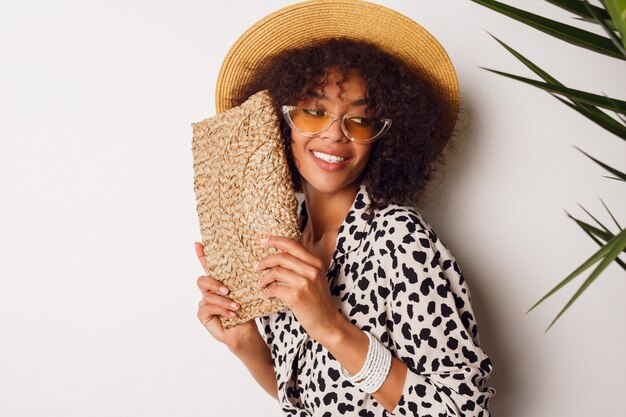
(329, 158)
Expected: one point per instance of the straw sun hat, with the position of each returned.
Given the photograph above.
(242, 182)
(309, 22)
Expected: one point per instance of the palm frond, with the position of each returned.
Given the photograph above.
(567, 33)
(587, 98)
(612, 250)
(618, 241)
(576, 7)
(609, 31)
(620, 175)
(617, 11)
(591, 112)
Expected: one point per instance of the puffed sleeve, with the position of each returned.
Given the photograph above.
(430, 323)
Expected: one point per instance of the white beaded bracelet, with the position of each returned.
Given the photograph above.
(375, 369)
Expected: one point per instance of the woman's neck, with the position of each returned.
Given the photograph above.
(326, 212)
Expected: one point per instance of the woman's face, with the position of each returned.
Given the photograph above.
(330, 175)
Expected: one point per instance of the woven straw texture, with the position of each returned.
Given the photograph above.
(244, 192)
(310, 22)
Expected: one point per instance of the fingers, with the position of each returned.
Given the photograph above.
(200, 254)
(210, 284)
(212, 304)
(281, 276)
(206, 319)
(288, 261)
(280, 291)
(218, 300)
(208, 310)
(294, 248)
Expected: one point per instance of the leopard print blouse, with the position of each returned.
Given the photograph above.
(392, 276)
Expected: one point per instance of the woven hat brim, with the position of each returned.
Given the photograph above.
(311, 22)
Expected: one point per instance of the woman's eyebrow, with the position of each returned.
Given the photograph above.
(358, 102)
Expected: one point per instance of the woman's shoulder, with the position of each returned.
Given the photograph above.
(402, 233)
(400, 221)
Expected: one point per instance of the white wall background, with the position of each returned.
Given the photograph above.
(98, 291)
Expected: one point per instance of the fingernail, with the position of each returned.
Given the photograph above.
(265, 239)
(223, 290)
(258, 283)
(255, 265)
(232, 314)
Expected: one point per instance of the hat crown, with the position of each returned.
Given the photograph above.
(314, 21)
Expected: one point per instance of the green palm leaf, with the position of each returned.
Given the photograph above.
(617, 242)
(597, 116)
(617, 11)
(616, 105)
(594, 233)
(594, 114)
(609, 31)
(577, 7)
(612, 249)
(611, 214)
(570, 34)
(592, 230)
(606, 230)
(620, 175)
(607, 22)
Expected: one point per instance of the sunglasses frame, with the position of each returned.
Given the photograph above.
(286, 114)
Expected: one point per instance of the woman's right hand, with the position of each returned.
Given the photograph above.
(215, 303)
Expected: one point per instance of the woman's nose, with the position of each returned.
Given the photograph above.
(334, 132)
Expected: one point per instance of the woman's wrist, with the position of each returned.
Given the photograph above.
(337, 329)
(254, 353)
(350, 345)
(249, 342)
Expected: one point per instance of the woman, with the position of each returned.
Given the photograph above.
(380, 321)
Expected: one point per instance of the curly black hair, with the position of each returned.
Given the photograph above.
(404, 159)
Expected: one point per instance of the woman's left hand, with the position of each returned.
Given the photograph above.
(301, 283)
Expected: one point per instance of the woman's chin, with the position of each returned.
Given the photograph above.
(329, 187)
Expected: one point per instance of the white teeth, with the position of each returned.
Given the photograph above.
(328, 158)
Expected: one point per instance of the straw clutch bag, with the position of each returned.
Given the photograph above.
(244, 192)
